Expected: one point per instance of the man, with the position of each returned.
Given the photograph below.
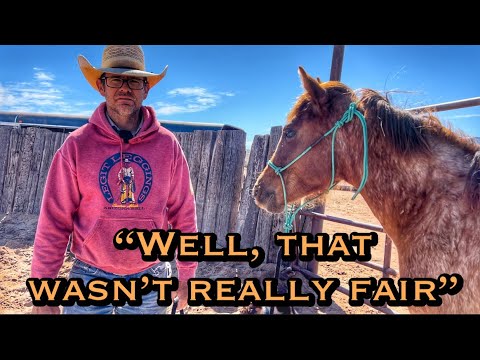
(81, 199)
(126, 180)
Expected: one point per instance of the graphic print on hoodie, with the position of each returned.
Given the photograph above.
(120, 191)
(92, 194)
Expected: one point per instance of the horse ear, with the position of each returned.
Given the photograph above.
(311, 85)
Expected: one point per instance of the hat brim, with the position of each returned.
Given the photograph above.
(92, 74)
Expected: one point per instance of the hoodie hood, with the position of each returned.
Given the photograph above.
(99, 120)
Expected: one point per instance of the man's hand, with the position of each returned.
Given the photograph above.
(46, 310)
(182, 294)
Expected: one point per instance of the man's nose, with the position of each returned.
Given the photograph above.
(125, 85)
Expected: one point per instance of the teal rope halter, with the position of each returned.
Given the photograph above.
(346, 118)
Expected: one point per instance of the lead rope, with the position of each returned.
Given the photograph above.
(290, 214)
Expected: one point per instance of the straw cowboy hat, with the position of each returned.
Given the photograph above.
(124, 60)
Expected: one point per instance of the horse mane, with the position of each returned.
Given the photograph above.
(410, 132)
(407, 130)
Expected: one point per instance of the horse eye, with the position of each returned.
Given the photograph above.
(289, 133)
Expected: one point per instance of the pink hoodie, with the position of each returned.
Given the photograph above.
(83, 196)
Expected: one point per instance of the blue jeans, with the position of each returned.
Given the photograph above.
(149, 304)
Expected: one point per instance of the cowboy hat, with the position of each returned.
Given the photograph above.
(124, 60)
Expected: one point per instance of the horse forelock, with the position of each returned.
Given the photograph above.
(329, 108)
(301, 106)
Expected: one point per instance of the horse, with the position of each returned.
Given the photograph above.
(420, 179)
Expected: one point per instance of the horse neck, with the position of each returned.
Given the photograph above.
(403, 190)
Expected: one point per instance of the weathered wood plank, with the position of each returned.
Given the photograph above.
(207, 139)
(5, 133)
(248, 211)
(20, 200)
(10, 182)
(197, 147)
(214, 178)
(59, 140)
(240, 153)
(263, 232)
(53, 141)
(185, 140)
(230, 182)
(265, 223)
(278, 222)
(35, 167)
(195, 158)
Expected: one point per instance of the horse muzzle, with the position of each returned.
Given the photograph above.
(268, 198)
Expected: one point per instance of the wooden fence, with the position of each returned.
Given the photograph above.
(24, 162)
(217, 161)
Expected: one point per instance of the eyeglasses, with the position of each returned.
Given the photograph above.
(116, 82)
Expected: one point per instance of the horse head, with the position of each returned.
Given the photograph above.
(301, 163)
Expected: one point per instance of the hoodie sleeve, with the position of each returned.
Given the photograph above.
(55, 223)
(182, 208)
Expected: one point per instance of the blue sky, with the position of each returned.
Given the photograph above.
(249, 86)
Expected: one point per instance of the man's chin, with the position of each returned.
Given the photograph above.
(126, 103)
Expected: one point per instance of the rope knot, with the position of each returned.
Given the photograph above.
(347, 116)
(351, 111)
(289, 219)
(275, 168)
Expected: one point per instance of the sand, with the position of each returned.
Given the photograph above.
(17, 234)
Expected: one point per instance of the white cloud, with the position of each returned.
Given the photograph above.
(168, 109)
(45, 84)
(39, 95)
(43, 76)
(6, 98)
(195, 91)
(191, 99)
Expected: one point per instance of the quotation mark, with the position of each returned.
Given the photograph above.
(450, 284)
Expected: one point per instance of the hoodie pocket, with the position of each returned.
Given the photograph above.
(99, 249)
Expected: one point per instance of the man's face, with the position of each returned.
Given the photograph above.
(120, 97)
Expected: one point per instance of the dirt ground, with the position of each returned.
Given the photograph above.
(17, 233)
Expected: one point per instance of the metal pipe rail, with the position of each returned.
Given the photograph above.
(452, 105)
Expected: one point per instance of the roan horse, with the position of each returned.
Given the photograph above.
(420, 179)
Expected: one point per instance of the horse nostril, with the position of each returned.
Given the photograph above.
(255, 190)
